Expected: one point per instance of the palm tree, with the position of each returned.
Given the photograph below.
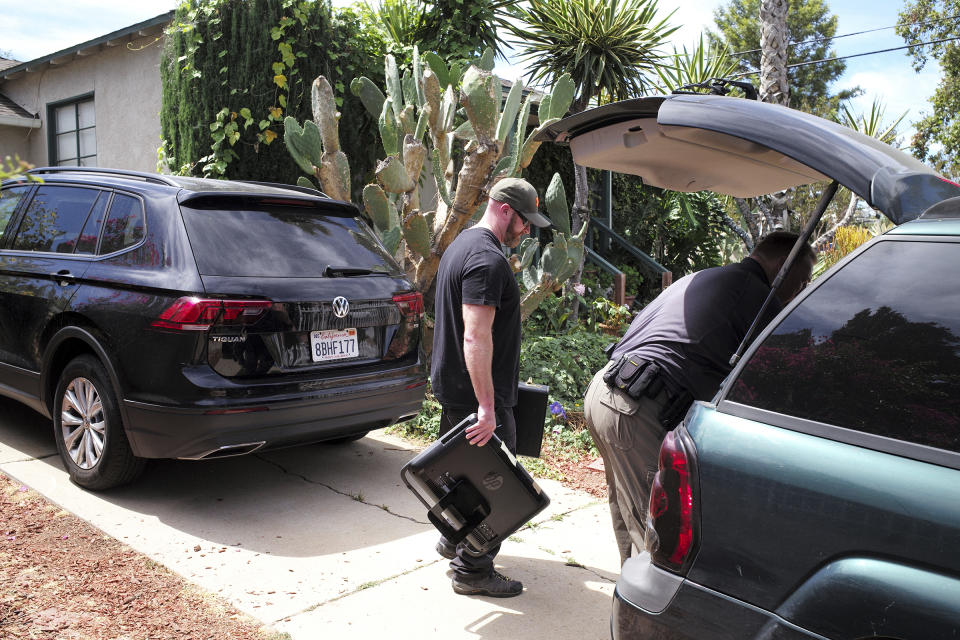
(774, 40)
(610, 48)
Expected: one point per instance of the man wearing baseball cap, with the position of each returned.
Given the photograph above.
(476, 349)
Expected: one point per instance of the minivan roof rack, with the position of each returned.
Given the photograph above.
(147, 177)
(292, 187)
(720, 87)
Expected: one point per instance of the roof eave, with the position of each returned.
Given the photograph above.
(145, 28)
(16, 121)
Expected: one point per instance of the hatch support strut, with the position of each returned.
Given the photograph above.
(825, 199)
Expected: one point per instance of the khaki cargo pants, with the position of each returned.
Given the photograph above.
(628, 435)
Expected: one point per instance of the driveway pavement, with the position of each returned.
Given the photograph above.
(325, 541)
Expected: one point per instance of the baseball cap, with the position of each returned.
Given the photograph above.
(522, 197)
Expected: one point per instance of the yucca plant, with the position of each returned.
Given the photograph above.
(694, 67)
(401, 20)
(609, 47)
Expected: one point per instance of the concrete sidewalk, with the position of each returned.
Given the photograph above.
(325, 541)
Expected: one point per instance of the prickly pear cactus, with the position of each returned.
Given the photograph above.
(316, 146)
(559, 259)
(418, 120)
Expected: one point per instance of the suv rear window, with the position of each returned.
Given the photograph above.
(875, 348)
(280, 241)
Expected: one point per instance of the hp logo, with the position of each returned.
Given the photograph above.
(493, 481)
(341, 307)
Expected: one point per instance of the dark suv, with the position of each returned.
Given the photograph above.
(818, 494)
(170, 317)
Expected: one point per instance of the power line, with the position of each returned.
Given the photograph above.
(854, 55)
(847, 35)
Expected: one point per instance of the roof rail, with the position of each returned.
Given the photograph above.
(146, 177)
(292, 187)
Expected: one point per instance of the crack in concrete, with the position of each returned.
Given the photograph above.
(557, 517)
(362, 587)
(594, 572)
(356, 497)
(373, 583)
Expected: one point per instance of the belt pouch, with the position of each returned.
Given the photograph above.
(648, 383)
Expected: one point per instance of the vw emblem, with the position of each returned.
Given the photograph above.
(341, 307)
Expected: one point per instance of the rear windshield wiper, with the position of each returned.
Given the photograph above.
(334, 271)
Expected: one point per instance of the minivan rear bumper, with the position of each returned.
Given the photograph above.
(235, 426)
(652, 603)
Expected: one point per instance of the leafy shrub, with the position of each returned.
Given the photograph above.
(565, 362)
(613, 316)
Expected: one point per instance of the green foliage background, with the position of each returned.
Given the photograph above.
(221, 53)
(937, 136)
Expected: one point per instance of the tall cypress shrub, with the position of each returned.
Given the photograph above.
(225, 54)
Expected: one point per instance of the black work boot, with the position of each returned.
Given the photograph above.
(493, 584)
(447, 550)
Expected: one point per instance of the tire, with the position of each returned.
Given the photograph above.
(88, 429)
(345, 439)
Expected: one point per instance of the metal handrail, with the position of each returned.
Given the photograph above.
(619, 277)
(644, 259)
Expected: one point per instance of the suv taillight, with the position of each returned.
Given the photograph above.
(671, 536)
(199, 314)
(410, 304)
(407, 335)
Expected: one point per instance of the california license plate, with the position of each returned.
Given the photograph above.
(335, 344)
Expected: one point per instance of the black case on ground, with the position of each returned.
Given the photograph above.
(480, 495)
(529, 413)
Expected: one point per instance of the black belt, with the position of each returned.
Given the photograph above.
(645, 378)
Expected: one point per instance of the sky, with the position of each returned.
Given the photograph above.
(33, 29)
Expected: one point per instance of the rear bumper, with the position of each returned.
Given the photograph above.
(176, 431)
(651, 603)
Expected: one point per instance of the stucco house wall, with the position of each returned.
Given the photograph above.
(15, 141)
(123, 76)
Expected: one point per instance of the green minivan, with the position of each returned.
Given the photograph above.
(818, 494)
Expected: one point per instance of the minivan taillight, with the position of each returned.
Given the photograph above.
(671, 536)
(199, 314)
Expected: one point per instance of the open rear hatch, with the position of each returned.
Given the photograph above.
(294, 286)
(746, 148)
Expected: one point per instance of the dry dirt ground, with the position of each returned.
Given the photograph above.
(63, 579)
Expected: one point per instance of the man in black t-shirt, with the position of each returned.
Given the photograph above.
(476, 349)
